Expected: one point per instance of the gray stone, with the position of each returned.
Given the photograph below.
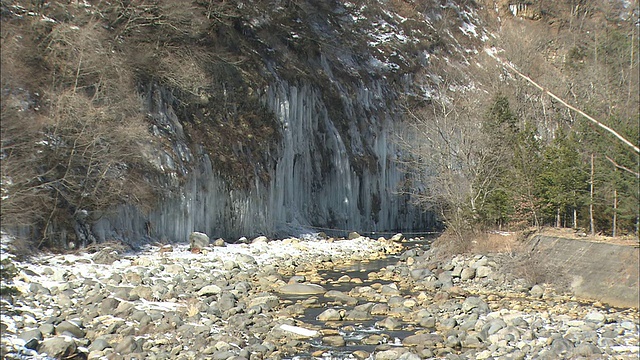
(226, 301)
(334, 340)
(219, 242)
(127, 345)
(267, 302)
(425, 340)
(457, 271)
(99, 344)
(391, 354)
(341, 297)
(246, 260)
(389, 323)
(475, 304)
(353, 235)
(47, 329)
(331, 315)
(397, 238)
(31, 334)
(198, 240)
(106, 256)
(595, 316)
(409, 356)
(358, 315)
(380, 309)
(58, 347)
(417, 274)
(468, 273)
(390, 290)
(428, 322)
(71, 328)
(260, 239)
(230, 265)
(209, 290)
(562, 348)
(108, 306)
(536, 291)
(483, 271)
(301, 289)
(587, 350)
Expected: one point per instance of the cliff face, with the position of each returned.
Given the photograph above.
(271, 117)
(331, 76)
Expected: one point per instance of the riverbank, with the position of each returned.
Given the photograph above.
(284, 299)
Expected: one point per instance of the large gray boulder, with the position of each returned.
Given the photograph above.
(198, 240)
(59, 347)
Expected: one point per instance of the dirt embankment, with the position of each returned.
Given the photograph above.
(603, 271)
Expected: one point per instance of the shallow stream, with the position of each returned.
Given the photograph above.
(357, 334)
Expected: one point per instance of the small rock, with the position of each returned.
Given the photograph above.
(219, 242)
(353, 235)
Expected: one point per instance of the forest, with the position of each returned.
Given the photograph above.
(497, 150)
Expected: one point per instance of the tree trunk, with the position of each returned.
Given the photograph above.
(591, 224)
(575, 218)
(558, 222)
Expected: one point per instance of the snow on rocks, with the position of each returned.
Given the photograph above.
(165, 304)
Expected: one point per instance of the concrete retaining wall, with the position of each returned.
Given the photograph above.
(605, 272)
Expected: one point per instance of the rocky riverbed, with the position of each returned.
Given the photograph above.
(299, 299)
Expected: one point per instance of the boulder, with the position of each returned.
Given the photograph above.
(397, 238)
(331, 315)
(70, 328)
(391, 354)
(198, 240)
(59, 347)
(209, 290)
(468, 273)
(475, 304)
(260, 239)
(483, 271)
(389, 323)
(425, 340)
(334, 340)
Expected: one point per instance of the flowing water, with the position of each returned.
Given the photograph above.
(353, 332)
